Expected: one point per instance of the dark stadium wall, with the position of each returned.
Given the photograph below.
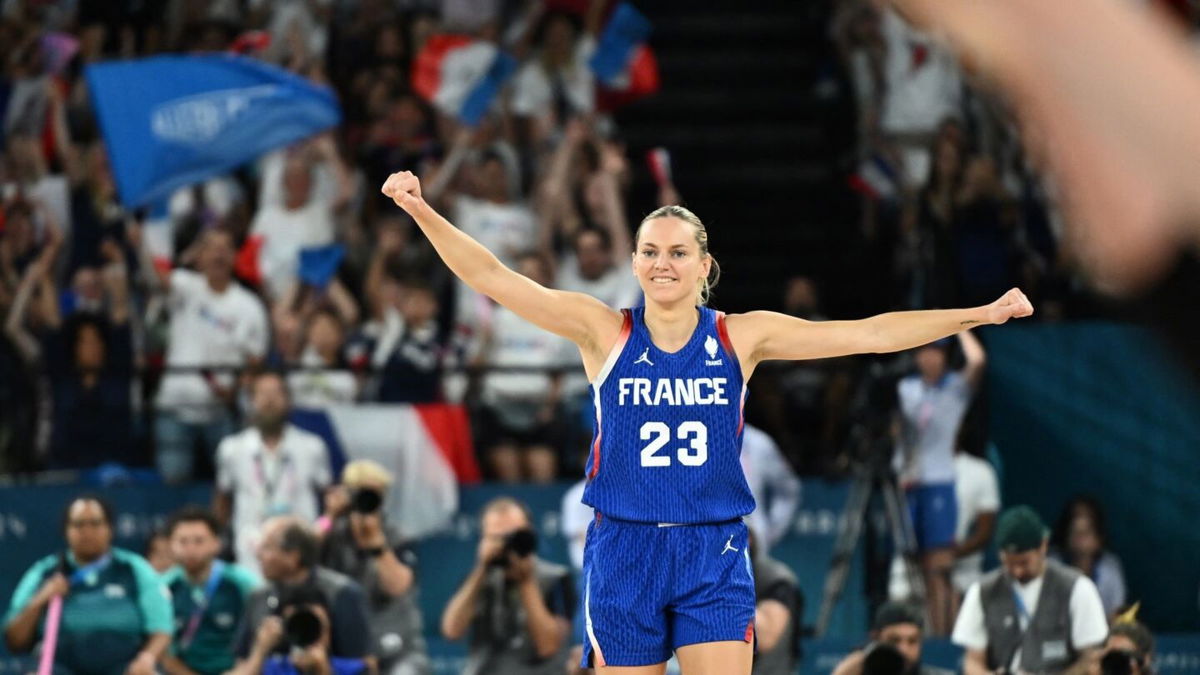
(1105, 409)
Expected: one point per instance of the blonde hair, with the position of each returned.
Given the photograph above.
(364, 471)
(675, 211)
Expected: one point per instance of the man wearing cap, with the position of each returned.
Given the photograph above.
(901, 627)
(1032, 615)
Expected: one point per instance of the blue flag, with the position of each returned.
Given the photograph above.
(626, 29)
(318, 265)
(171, 121)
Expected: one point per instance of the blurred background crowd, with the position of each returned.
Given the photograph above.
(845, 164)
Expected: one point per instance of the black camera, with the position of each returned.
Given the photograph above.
(881, 658)
(1118, 662)
(365, 500)
(302, 629)
(521, 543)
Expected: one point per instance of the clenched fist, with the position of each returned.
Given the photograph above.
(404, 188)
(1011, 305)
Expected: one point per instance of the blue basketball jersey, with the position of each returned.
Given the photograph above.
(668, 428)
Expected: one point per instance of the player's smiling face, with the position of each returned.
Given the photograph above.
(667, 261)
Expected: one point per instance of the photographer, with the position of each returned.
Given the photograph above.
(362, 546)
(303, 627)
(288, 553)
(896, 640)
(1129, 649)
(516, 606)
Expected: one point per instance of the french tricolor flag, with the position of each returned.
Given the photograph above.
(623, 63)
(427, 448)
(876, 178)
(461, 76)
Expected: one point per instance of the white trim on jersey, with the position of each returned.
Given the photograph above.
(615, 353)
(587, 621)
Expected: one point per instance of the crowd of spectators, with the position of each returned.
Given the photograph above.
(133, 328)
(129, 336)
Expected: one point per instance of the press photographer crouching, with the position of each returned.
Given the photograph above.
(302, 630)
(897, 638)
(1129, 649)
(288, 553)
(516, 606)
(359, 543)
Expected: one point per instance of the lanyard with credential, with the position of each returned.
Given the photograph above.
(271, 486)
(81, 574)
(1022, 610)
(210, 588)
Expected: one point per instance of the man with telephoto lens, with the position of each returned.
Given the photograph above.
(897, 638)
(359, 543)
(303, 628)
(288, 554)
(516, 606)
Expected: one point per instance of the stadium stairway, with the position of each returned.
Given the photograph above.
(756, 120)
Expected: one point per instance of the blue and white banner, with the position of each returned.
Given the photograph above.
(171, 121)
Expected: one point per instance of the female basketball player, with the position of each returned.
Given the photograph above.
(666, 565)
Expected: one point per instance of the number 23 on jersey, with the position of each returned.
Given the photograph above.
(659, 434)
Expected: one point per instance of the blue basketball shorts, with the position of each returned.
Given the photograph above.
(933, 508)
(649, 589)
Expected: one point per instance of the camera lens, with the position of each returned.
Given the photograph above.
(302, 628)
(365, 500)
(883, 659)
(1117, 662)
(521, 543)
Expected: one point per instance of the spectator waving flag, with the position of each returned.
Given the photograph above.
(427, 447)
(623, 63)
(461, 76)
(171, 121)
(876, 178)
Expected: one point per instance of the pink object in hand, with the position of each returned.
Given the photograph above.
(53, 616)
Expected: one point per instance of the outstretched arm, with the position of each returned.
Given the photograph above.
(762, 336)
(580, 318)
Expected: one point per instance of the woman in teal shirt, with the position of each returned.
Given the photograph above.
(116, 613)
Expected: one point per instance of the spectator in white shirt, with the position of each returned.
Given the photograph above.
(1033, 615)
(521, 436)
(270, 469)
(978, 497)
(322, 380)
(978, 494)
(557, 82)
(933, 403)
(775, 487)
(215, 324)
(297, 209)
(922, 87)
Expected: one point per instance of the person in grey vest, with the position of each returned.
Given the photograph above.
(900, 627)
(288, 553)
(516, 607)
(777, 614)
(362, 545)
(1033, 615)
